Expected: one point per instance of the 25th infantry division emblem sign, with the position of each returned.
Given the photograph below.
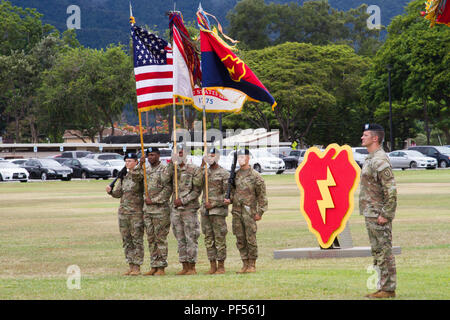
(327, 181)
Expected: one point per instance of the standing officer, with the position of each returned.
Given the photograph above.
(131, 222)
(377, 202)
(249, 204)
(214, 213)
(157, 212)
(185, 224)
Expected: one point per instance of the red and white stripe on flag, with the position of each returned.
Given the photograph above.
(153, 69)
(182, 78)
(154, 84)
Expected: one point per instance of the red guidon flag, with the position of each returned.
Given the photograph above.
(153, 69)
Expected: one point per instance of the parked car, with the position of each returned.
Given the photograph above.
(19, 162)
(294, 158)
(87, 168)
(114, 166)
(262, 161)
(360, 154)
(100, 157)
(47, 169)
(411, 159)
(75, 154)
(165, 155)
(225, 161)
(440, 153)
(12, 172)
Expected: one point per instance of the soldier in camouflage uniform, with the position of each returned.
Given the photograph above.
(377, 202)
(129, 189)
(214, 213)
(157, 211)
(249, 204)
(185, 224)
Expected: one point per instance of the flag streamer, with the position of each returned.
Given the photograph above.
(223, 71)
(437, 11)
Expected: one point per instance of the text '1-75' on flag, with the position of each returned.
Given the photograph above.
(153, 70)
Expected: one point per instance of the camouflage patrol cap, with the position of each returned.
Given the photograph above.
(373, 127)
(130, 155)
(152, 149)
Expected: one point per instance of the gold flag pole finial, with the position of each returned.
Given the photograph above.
(132, 20)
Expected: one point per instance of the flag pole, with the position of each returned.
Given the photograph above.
(132, 22)
(184, 117)
(175, 164)
(205, 148)
(143, 153)
(174, 129)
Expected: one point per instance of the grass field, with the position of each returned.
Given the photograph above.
(46, 227)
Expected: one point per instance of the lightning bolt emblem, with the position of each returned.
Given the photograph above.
(327, 201)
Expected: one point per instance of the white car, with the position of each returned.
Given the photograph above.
(114, 166)
(360, 154)
(18, 162)
(165, 155)
(12, 172)
(101, 157)
(411, 159)
(262, 161)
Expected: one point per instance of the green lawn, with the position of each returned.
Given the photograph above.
(46, 227)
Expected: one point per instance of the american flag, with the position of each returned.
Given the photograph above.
(153, 70)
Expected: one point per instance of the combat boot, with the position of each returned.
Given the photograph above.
(191, 270)
(136, 270)
(151, 272)
(184, 270)
(213, 267)
(251, 266)
(380, 294)
(160, 272)
(244, 267)
(220, 267)
(129, 270)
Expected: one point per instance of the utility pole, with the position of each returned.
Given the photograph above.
(391, 133)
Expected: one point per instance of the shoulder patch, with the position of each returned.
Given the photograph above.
(387, 173)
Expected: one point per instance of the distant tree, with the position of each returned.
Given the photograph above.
(20, 79)
(86, 90)
(312, 85)
(21, 29)
(249, 23)
(420, 61)
(258, 25)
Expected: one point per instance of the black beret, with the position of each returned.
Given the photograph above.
(372, 127)
(130, 155)
(180, 146)
(243, 152)
(152, 149)
(213, 150)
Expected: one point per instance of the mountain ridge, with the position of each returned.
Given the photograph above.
(107, 21)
